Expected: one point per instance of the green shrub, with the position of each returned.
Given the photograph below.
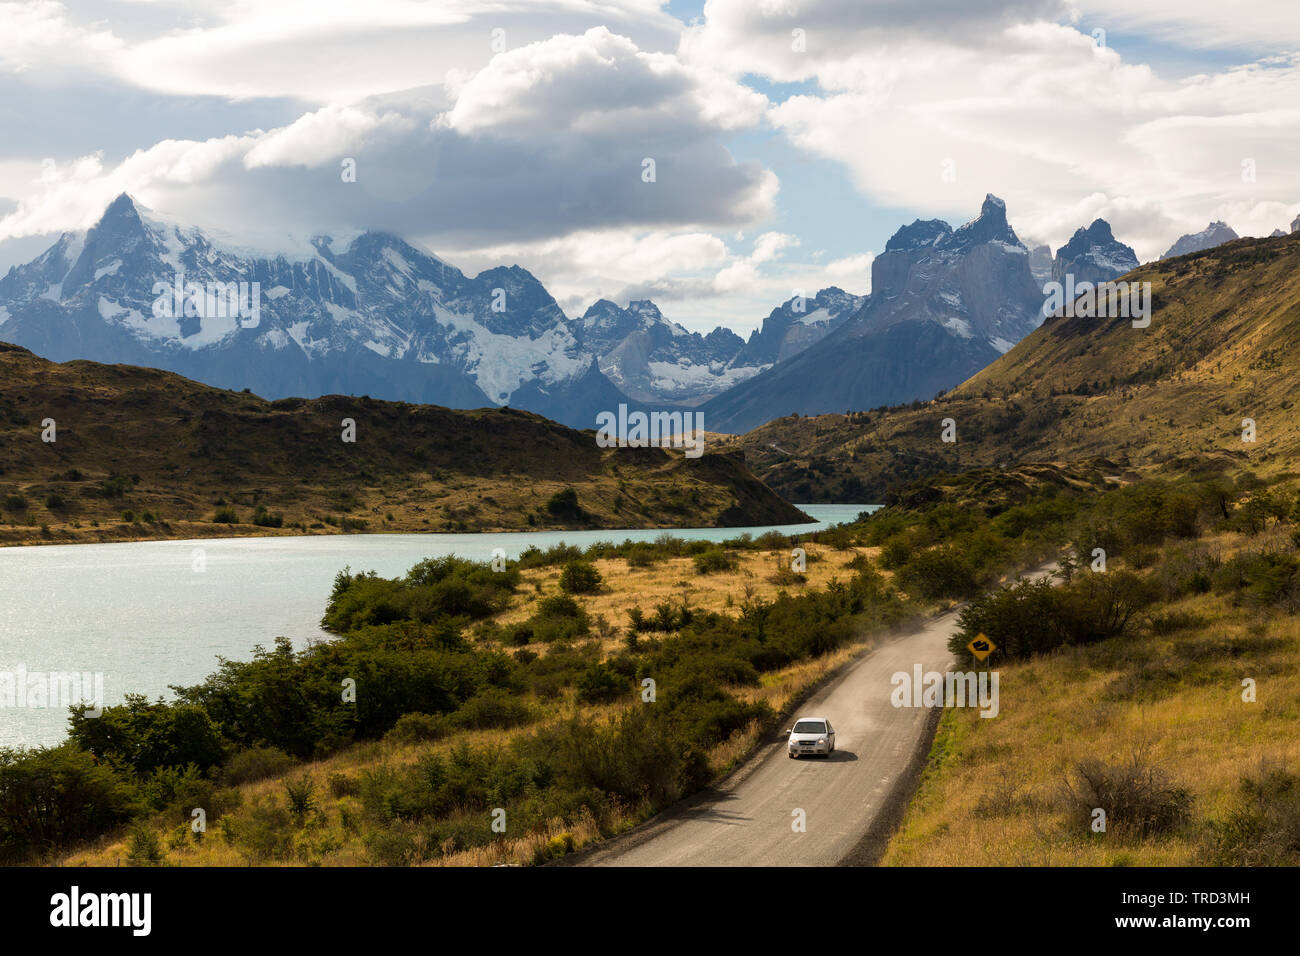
(1262, 828)
(939, 573)
(715, 561)
(256, 763)
(492, 707)
(53, 797)
(564, 505)
(146, 735)
(601, 684)
(895, 553)
(1032, 617)
(301, 797)
(419, 728)
(225, 516)
(579, 577)
(267, 519)
(144, 848)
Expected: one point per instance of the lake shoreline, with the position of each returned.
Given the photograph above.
(199, 531)
(151, 614)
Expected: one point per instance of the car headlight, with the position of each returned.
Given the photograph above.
(821, 740)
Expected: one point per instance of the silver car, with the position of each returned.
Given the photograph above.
(811, 735)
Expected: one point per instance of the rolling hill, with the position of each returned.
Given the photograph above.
(1223, 346)
(141, 453)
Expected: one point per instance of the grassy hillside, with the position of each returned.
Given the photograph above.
(141, 453)
(1223, 345)
(1155, 725)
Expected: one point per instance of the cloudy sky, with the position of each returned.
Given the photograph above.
(789, 138)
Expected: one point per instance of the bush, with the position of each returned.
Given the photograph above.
(564, 505)
(256, 763)
(225, 516)
(1032, 617)
(146, 736)
(264, 830)
(178, 788)
(558, 619)
(419, 728)
(579, 577)
(557, 846)
(1263, 827)
(895, 553)
(601, 684)
(492, 707)
(267, 519)
(52, 797)
(939, 573)
(1138, 799)
(715, 561)
(15, 504)
(144, 849)
(301, 797)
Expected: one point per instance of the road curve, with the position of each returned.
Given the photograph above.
(748, 820)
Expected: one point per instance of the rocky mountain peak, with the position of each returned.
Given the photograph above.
(1215, 234)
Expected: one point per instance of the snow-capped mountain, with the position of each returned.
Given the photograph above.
(655, 360)
(1093, 255)
(944, 303)
(975, 281)
(1215, 234)
(371, 315)
(796, 324)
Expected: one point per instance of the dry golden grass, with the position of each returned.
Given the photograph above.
(992, 794)
(675, 579)
(326, 840)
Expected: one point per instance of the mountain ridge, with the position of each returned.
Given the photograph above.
(1221, 348)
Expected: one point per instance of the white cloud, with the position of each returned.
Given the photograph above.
(1263, 24)
(321, 51)
(930, 116)
(558, 152)
(855, 268)
(38, 40)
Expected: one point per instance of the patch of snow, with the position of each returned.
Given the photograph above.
(959, 326)
(108, 270)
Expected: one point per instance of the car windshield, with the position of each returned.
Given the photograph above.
(810, 727)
